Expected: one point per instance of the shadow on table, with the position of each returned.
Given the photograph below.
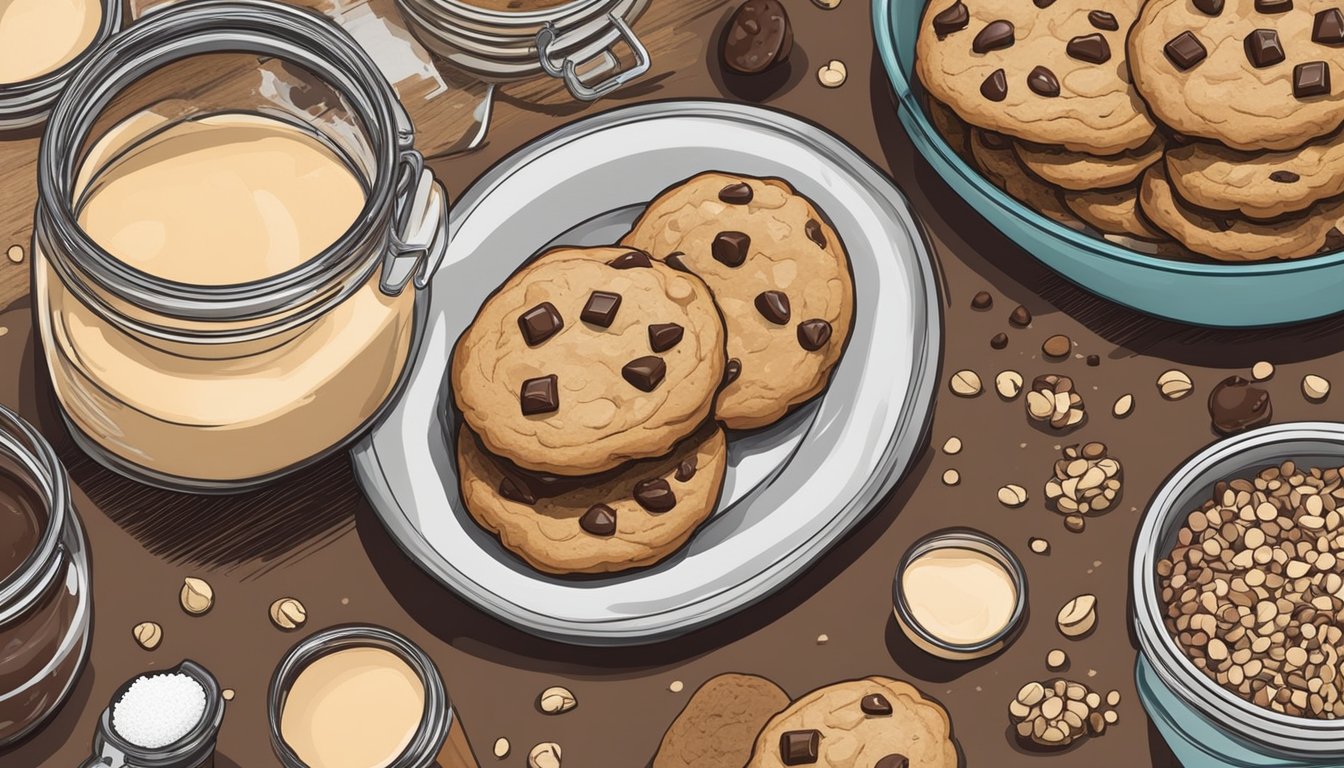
(981, 247)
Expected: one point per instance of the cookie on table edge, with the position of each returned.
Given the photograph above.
(719, 724)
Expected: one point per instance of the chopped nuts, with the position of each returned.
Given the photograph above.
(544, 755)
(953, 446)
(1052, 399)
(288, 613)
(1315, 388)
(148, 635)
(556, 700)
(1039, 546)
(951, 477)
(1075, 523)
(1078, 616)
(833, 75)
(1056, 659)
(1056, 713)
(1085, 481)
(1057, 346)
(1262, 371)
(1008, 384)
(823, 639)
(1012, 495)
(197, 596)
(501, 748)
(965, 384)
(1174, 384)
(1124, 405)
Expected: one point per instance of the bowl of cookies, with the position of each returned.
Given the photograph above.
(1180, 157)
(676, 352)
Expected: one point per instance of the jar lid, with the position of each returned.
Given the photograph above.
(27, 103)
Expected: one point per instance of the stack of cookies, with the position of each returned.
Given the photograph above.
(595, 385)
(1189, 128)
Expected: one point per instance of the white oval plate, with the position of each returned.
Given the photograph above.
(792, 491)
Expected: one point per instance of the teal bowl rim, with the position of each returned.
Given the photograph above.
(931, 145)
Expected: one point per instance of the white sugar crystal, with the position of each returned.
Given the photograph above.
(158, 710)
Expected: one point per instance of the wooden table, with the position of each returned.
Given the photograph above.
(313, 537)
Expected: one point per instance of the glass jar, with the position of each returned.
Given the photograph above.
(26, 103)
(45, 603)
(216, 385)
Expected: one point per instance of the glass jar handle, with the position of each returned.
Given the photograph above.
(568, 69)
(420, 239)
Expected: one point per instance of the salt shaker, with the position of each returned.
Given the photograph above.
(167, 719)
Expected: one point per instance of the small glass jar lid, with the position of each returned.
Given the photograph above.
(26, 102)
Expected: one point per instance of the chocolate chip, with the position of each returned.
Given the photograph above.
(540, 323)
(759, 36)
(731, 248)
(664, 336)
(1273, 6)
(655, 495)
(799, 747)
(732, 371)
(632, 260)
(813, 334)
(601, 308)
(540, 395)
(1093, 360)
(1236, 406)
(1057, 346)
(813, 231)
(995, 35)
(1021, 317)
(995, 87)
(1328, 28)
(1263, 48)
(982, 300)
(1043, 82)
(1311, 79)
(1103, 20)
(1284, 177)
(774, 306)
(893, 761)
(599, 520)
(1185, 51)
(645, 373)
(1209, 7)
(517, 492)
(1091, 48)
(875, 704)
(736, 194)
(676, 260)
(686, 470)
(1043, 3)
(999, 341)
(954, 18)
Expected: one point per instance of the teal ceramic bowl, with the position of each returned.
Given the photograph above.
(1210, 294)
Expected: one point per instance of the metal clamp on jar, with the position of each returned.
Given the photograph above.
(204, 367)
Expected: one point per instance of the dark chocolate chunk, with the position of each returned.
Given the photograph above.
(1284, 177)
(1021, 317)
(517, 492)
(1103, 20)
(731, 248)
(774, 306)
(799, 747)
(1209, 7)
(893, 761)
(601, 308)
(736, 194)
(1043, 3)
(664, 336)
(995, 35)
(1311, 79)
(1093, 360)
(813, 231)
(759, 36)
(1043, 82)
(954, 18)
(995, 87)
(676, 260)
(813, 334)
(1235, 405)
(1273, 6)
(540, 395)
(599, 520)
(1185, 51)
(1091, 48)
(999, 341)
(1328, 28)
(655, 495)
(1263, 48)
(732, 371)
(632, 260)
(686, 470)
(645, 373)
(540, 323)
(875, 704)
(982, 300)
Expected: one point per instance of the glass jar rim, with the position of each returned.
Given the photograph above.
(25, 102)
(35, 457)
(290, 33)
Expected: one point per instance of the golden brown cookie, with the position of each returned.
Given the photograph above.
(953, 129)
(994, 156)
(1112, 212)
(588, 358)
(628, 518)
(1084, 172)
(779, 274)
(720, 722)
(1260, 185)
(874, 722)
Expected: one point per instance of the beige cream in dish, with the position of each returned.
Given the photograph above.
(38, 37)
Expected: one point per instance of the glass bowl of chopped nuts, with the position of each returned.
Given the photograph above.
(1238, 584)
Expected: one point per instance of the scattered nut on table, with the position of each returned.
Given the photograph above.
(965, 383)
(951, 477)
(833, 74)
(1078, 616)
(501, 748)
(1075, 523)
(1086, 481)
(1008, 384)
(1174, 384)
(1262, 370)
(1315, 388)
(1052, 399)
(1039, 546)
(544, 755)
(1058, 346)
(148, 635)
(953, 446)
(197, 596)
(1124, 405)
(827, 4)
(288, 613)
(1056, 713)
(1012, 495)
(15, 254)
(1020, 317)
(228, 694)
(1056, 659)
(556, 700)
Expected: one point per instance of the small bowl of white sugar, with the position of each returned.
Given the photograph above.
(169, 719)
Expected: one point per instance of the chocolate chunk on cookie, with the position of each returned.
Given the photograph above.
(720, 723)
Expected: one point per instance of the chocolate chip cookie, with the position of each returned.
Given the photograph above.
(993, 154)
(588, 358)
(875, 721)
(1084, 172)
(628, 518)
(1044, 72)
(779, 274)
(1250, 74)
(1112, 212)
(720, 722)
(1258, 185)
